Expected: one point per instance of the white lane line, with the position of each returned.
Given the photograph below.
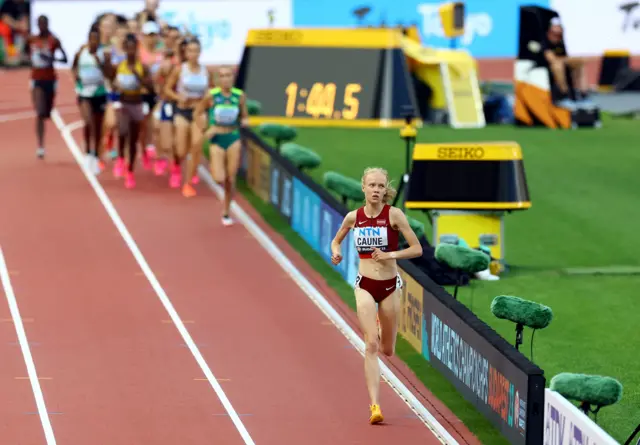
(146, 269)
(26, 352)
(314, 294)
(11, 117)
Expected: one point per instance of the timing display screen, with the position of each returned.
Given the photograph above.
(322, 83)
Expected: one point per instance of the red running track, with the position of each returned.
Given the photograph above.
(115, 370)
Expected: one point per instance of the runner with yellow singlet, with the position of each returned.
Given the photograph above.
(227, 112)
(131, 78)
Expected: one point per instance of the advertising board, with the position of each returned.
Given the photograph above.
(488, 371)
(617, 22)
(411, 311)
(305, 219)
(221, 26)
(479, 370)
(281, 195)
(258, 170)
(330, 220)
(491, 26)
(565, 423)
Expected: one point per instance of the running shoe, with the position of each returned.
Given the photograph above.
(227, 221)
(176, 177)
(188, 191)
(376, 415)
(146, 161)
(119, 168)
(160, 166)
(129, 180)
(195, 180)
(40, 153)
(150, 150)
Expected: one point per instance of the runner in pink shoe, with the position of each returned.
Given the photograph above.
(131, 77)
(163, 113)
(150, 56)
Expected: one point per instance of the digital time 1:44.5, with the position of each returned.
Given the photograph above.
(320, 101)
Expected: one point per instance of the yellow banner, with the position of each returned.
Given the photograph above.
(258, 170)
(468, 151)
(328, 38)
(411, 311)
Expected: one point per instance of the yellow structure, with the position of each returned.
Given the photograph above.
(467, 188)
(452, 19)
(452, 75)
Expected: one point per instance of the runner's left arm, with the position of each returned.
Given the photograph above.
(64, 58)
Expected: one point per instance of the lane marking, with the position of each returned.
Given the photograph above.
(10, 320)
(144, 266)
(323, 304)
(204, 380)
(39, 378)
(26, 352)
(183, 321)
(11, 117)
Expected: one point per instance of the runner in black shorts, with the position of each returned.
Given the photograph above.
(43, 75)
(91, 67)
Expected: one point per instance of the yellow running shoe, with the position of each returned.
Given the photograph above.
(376, 415)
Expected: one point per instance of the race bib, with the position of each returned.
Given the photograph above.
(128, 81)
(40, 58)
(91, 76)
(368, 238)
(226, 115)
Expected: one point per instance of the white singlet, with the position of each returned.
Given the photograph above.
(193, 85)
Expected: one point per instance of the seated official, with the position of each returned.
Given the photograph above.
(556, 54)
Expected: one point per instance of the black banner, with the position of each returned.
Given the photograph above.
(481, 371)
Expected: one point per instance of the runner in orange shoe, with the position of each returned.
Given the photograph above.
(376, 227)
(188, 85)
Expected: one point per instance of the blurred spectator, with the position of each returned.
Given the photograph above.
(560, 63)
(14, 28)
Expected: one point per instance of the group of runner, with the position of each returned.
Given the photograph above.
(150, 89)
(142, 85)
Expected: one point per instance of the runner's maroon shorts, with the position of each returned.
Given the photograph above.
(379, 289)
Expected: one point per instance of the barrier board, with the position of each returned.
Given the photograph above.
(565, 423)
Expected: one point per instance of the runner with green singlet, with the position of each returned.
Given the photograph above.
(227, 112)
(91, 67)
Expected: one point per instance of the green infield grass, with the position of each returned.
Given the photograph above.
(585, 214)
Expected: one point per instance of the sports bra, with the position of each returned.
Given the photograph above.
(193, 85)
(369, 233)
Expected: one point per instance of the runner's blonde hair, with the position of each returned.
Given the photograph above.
(390, 192)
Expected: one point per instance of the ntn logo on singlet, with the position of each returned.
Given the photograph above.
(368, 238)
